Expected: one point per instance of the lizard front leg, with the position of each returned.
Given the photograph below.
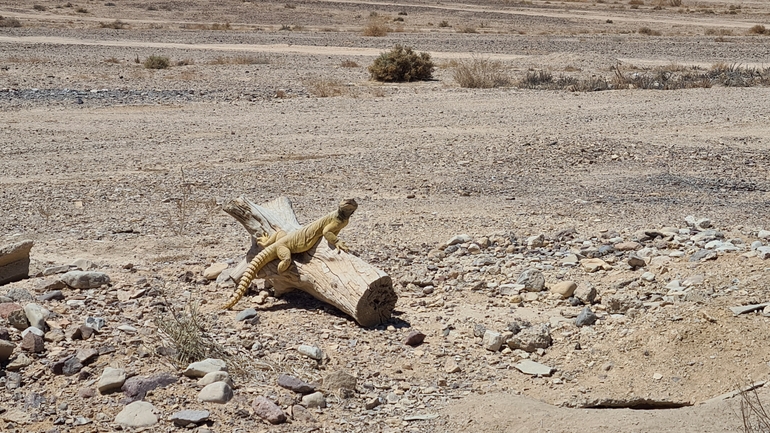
(334, 240)
(265, 241)
(284, 254)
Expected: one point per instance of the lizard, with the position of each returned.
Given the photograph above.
(281, 245)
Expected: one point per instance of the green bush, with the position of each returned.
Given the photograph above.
(156, 62)
(402, 64)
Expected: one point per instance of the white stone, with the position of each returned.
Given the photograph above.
(202, 368)
(137, 414)
(311, 351)
(217, 392)
(314, 400)
(492, 340)
(527, 366)
(111, 380)
(215, 376)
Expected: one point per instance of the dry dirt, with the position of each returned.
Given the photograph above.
(105, 160)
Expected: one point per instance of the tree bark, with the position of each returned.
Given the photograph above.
(331, 275)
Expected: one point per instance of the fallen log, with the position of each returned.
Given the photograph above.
(343, 280)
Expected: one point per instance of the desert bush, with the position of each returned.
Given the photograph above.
(534, 79)
(109, 4)
(402, 64)
(349, 64)
(81, 10)
(240, 60)
(481, 73)
(375, 29)
(40, 8)
(156, 62)
(117, 24)
(648, 31)
(112, 59)
(218, 26)
(444, 23)
(675, 3)
(753, 413)
(467, 29)
(9, 22)
(758, 29)
(324, 88)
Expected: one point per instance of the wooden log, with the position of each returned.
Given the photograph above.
(343, 280)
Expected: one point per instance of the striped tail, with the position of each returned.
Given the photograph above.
(243, 286)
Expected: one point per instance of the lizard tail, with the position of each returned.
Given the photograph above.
(251, 271)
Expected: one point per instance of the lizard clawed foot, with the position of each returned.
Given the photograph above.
(342, 246)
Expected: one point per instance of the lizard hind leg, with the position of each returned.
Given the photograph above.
(284, 254)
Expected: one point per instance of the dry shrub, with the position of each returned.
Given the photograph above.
(240, 60)
(156, 62)
(648, 31)
(324, 88)
(675, 3)
(467, 29)
(9, 22)
(81, 10)
(375, 29)
(636, 2)
(758, 29)
(112, 59)
(218, 26)
(117, 24)
(481, 73)
(753, 413)
(444, 23)
(402, 64)
(349, 64)
(534, 79)
(40, 8)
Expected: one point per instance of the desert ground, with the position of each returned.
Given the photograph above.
(127, 169)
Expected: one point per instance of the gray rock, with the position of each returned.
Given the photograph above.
(246, 314)
(415, 338)
(215, 376)
(339, 380)
(6, 350)
(299, 413)
(86, 355)
(83, 264)
(620, 303)
(111, 380)
(311, 351)
(18, 319)
(527, 366)
(479, 330)
(763, 253)
(32, 342)
(374, 402)
(459, 239)
(71, 366)
(53, 270)
(96, 323)
(314, 400)
(747, 308)
(492, 340)
(186, 417)
(85, 279)
(54, 295)
(535, 241)
(202, 368)
(294, 384)
(19, 295)
(135, 388)
(702, 224)
(585, 318)
(532, 338)
(14, 261)
(268, 410)
(217, 392)
(756, 244)
(636, 262)
(532, 279)
(764, 234)
(20, 362)
(137, 414)
(36, 315)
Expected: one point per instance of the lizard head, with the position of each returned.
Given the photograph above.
(346, 209)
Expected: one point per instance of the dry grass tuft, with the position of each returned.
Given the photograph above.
(81, 10)
(648, 31)
(240, 60)
(40, 8)
(753, 413)
(402, 64)
(758, 29)
(535, 79)
(375, 29)
(444, 23)
(156, 62)
(112, 59)
(325, 88)
(9, 22)
(467, 29)
(117, 24)
(481, 73)
(348, 64)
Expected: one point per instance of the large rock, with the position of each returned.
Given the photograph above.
(564, 288)
(85, 280)
(136, 415)
(294, 384)
(111, 380)
(14, 261)
(314, 400)
(492, 340)
(36, 315)
(136, 387)
(532, 338)
(186, 417)
(268, 410)
(6, 308)
(339, 380)
(202, 368)
(33, 342)
(532, 279)
(217, 392)
(6, 350)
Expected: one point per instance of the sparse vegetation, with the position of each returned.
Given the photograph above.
(81, 10)
(758, 29)
(648, 31)
(467, 29)
(753, 413)
(444, 23)
(349, 64)
(117, 24)
(218, 26)
(156, 62)
(40, 8)
(9, 22)
(240, 60)
(402, 64)
(112, 59)
(375, 29)
(325, 88)
(534, 79)
(481, 73)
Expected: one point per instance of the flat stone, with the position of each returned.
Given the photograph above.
(764, 234)
(748, 308)
(213, 271)
(54, 295)
(311, 352)
(339, 380)
(97, 323)
(54, 335)
(593, 265)
(570, 260)
(459, 239)
(492, 340)
(215, 376)
(53, 270)
(14, 261)
(6, 308)
(85, 279)
(636, 262)
(202, 368)
(184, 418)
(20, 362)
(87, 355)
(532, 338)
(527, 366)
(20, 295)
(627, 246)
(36, 315)
(268, 410)
(564, 288)
(372, 403)
(135, 388)
(137, 414)
(111, 380)
(301, 414)
(294, 384)
(314, 400)
(415, 338)
(585, 318)
(6, 350)
(451, 365)
(83, 264)
(71, 366)
(49, 284)
(217, 392)
(536, 241)
(532, 279)
(246, 314)
(620, 303)
(127, 329)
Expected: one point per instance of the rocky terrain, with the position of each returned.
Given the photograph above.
(556, 254)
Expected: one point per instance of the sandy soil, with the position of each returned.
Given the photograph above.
(105, 160)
